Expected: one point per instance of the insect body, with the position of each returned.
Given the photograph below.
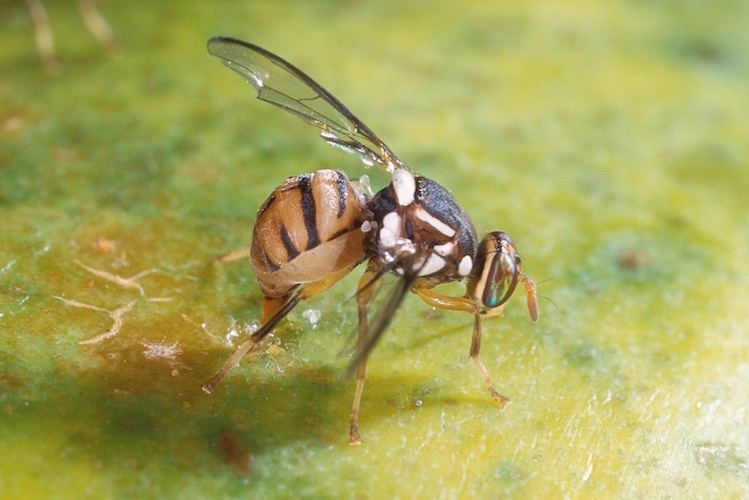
(315, 228)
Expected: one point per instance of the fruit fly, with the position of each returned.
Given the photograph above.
(316, 228)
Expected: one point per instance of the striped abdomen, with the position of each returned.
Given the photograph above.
(308, 229)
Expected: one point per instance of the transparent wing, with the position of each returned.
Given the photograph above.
(286, 86)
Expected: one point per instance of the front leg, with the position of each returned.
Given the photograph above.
(441, 301)
(474, 355)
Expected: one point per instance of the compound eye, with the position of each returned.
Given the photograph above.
(499, 270)
(501, 279)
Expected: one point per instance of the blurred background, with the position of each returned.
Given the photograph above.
(608, 138)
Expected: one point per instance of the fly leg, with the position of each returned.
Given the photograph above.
(253, 341)
(363, 296)
(275, 309)
(464, 304)
(474, 355)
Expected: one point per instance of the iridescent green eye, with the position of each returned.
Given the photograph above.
(501, 279)
(496, 274)
(501, 269)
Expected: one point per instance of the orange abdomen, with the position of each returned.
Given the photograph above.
(309, 228)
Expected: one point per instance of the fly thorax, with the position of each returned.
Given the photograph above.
(422, 231)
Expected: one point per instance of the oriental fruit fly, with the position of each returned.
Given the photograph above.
(316, 228)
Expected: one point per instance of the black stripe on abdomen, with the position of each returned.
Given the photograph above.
(291, 249)
(309, 211)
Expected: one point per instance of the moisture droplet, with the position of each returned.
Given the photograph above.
(313, 316)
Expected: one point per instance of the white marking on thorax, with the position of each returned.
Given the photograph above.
(465, 266)
(445, 249)
(391, 229)
(404, 185)
(393, 245)
(366, 226)
(434, 222)
(434, 263)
